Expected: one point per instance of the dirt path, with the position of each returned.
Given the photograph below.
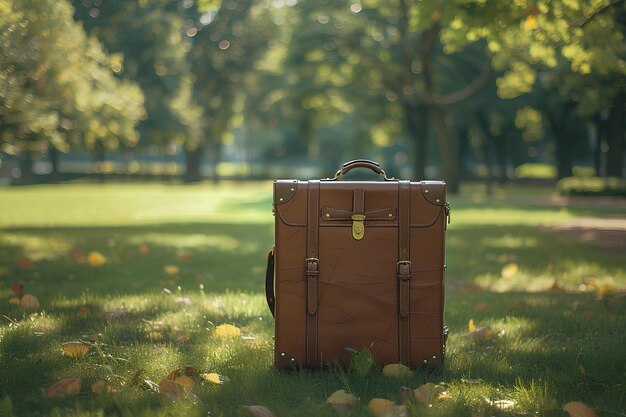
(606, 232)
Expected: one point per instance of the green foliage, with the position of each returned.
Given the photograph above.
(57, 87)
(593, 186)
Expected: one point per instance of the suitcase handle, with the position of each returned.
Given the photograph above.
(360, 163)
(269, 282)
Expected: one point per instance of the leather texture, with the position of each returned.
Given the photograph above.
(384, 291)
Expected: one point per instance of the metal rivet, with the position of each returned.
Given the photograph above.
(434, 357)
(426, 191)
(424, 361)
(390, 215)
(282, 354)
(327, 215)
(293, 359)
(292, 190)
(437, 200)
(280, 199)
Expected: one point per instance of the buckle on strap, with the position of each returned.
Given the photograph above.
(312, 266)
(404, 270)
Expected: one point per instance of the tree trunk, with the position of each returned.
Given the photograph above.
(193, 164)
(615, 138)
(27, 175)
(417, 124)
(564, 153)
(53, 154)
(445, 140)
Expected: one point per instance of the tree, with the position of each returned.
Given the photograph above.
(57, 88)
(571, 49)
(387, 58)
(150, 37)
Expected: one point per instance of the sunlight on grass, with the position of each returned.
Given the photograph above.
(181, 261)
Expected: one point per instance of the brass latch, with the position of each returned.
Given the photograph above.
(358, 228)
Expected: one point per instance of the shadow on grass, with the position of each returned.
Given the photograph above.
(564, 341)
(218, 256)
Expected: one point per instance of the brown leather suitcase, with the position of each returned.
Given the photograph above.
(358, 264)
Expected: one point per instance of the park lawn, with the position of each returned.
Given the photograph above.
(180, 262)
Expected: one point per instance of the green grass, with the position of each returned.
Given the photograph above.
(548, 347)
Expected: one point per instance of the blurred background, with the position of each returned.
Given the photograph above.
(188, 90)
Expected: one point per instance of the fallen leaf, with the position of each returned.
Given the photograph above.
(143, 248)
(470, 288)
(84, 311)
(605, 290)
(480, 333)
(155, 336)
(397, 370)
(428, 392)
(471, 327)
(214, 378)
(578, 409)
(24, 263)
(68, 387)
(361, 362)
(259, 411)
(18, 289)
(342, 402)
(588, 313)
(29, 301)
(78, 255)
(96, 259)
(509, 270)
(75, 349)
(170, 389)
(224, 331)
(101, 387)
(380, 407)
(171, 269)
(14, 300)
(482, 307)
(185, 381)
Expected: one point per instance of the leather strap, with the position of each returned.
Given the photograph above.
(312, 271)
(358, 203)
(269, 282)
(404, 271)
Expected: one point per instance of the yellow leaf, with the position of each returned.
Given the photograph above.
(259, 411)
(14, 300)
(397, 370)
(224, 331)
(75, 349)
(185, 381)
(578, 409)
(96, 259)
(155, 336)
(101, 387)
(68, 387)
(143, 248)
(471, 326)
(171, 269)
(214, 378)
(29, 302)
(510, 270)
(342, 402)
(380, 407)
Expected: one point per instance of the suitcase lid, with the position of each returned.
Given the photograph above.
(339, 199)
